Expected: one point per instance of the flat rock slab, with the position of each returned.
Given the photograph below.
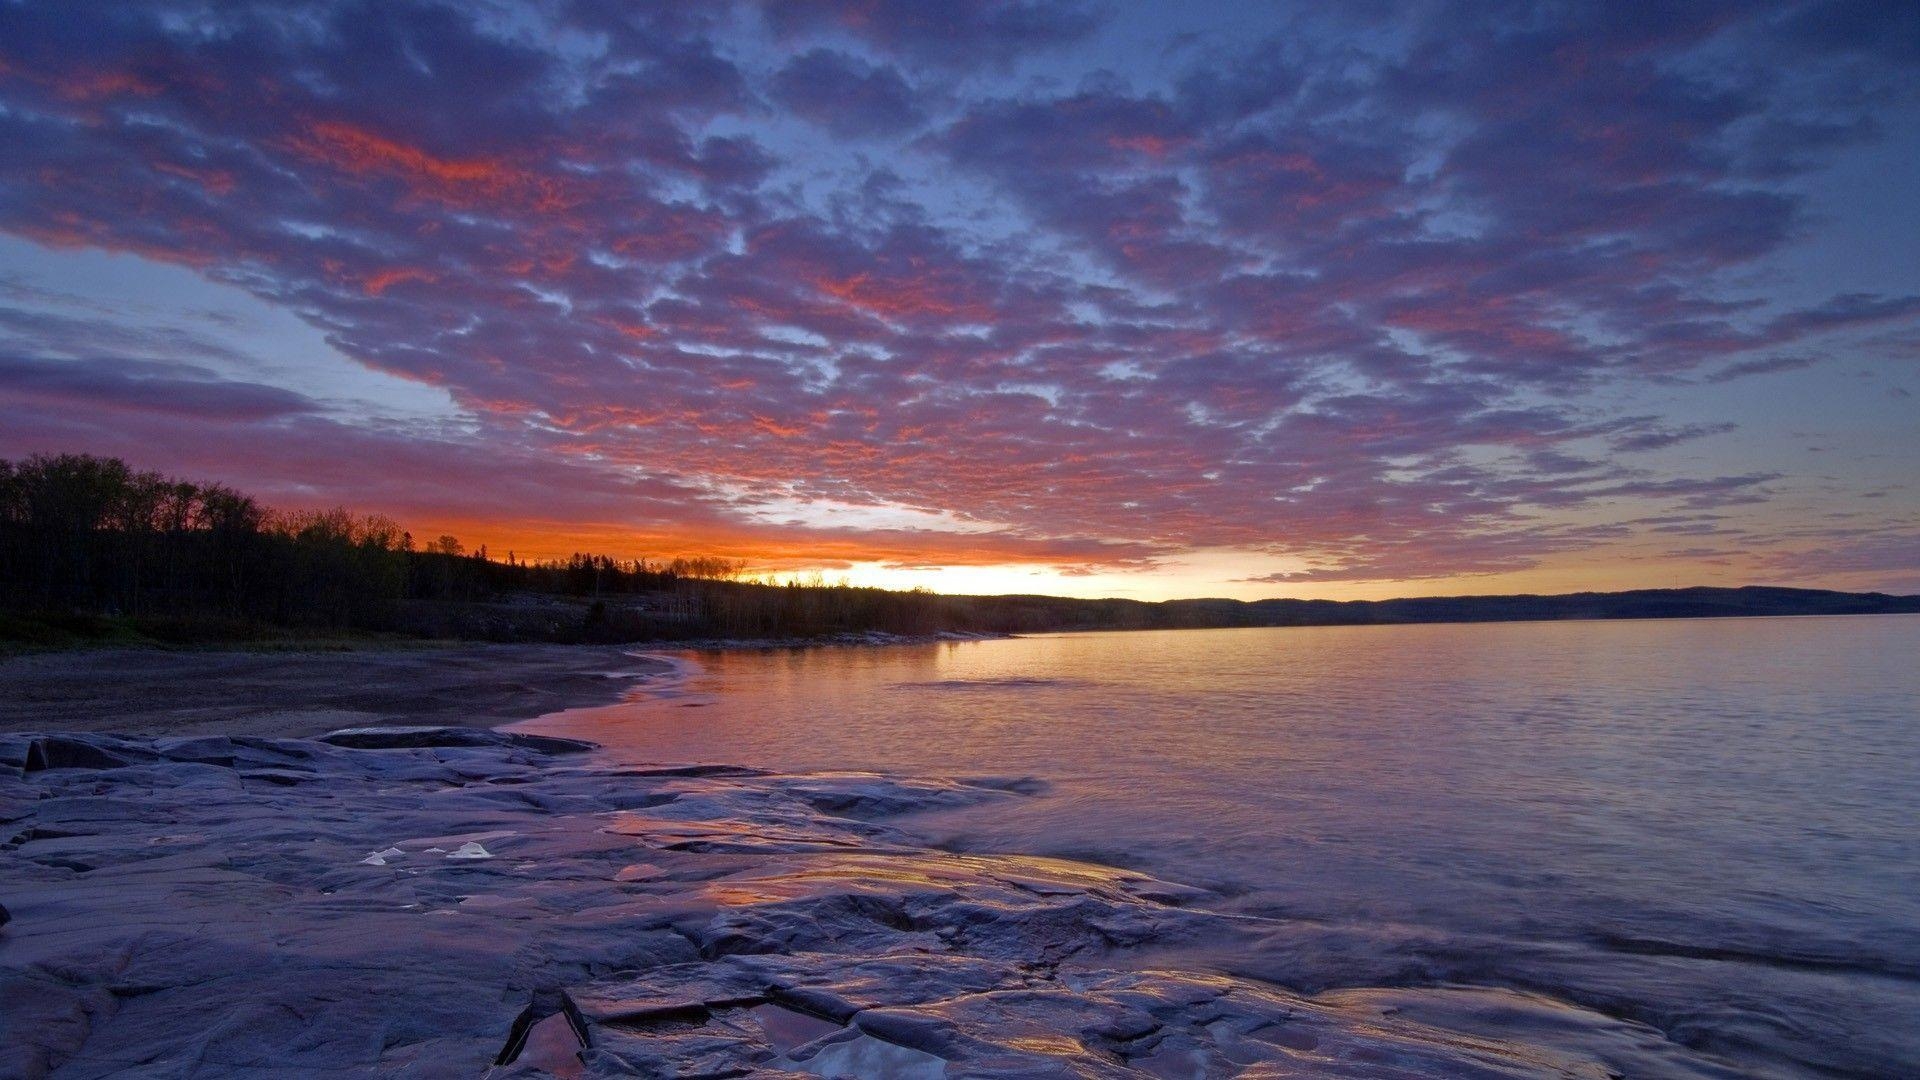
(418, 738)
(400, 902)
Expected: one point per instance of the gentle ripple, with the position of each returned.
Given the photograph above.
(1709, 825)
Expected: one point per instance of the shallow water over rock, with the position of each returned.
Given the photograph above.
(191, 913)
(1705, 826)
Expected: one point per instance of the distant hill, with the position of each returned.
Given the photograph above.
(1056, 613)
(1691, 603)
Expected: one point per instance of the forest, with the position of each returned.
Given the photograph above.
(93, 549)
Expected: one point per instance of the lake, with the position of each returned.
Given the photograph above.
(1709, 826)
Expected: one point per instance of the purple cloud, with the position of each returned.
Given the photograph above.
(963, 33)
(176, 390)
(1374, 302)
(846, 95)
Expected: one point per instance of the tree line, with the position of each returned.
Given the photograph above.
(85, 538)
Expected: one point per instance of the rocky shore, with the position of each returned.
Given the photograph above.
(133, 691)
(456, 902)
(299, 694)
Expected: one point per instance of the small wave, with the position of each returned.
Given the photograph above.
(1011, 683)
(1017, 785)
(1734, 954)
(654, 683)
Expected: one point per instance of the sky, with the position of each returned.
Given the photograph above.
(1150, 300)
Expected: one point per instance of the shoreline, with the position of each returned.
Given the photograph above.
(432, 901)
(301, 693)
(850, 639)
(287, 694)
(193, 891)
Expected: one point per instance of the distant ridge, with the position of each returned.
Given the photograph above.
(1689, 603)
(1038, 614)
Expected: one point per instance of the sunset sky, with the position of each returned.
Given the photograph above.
(1199, 299)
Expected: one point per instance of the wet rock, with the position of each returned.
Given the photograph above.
(43, 1021)
(59, 752)
(680, 922)
(787, 1029)
(824, 1004)
(856, 1054)
(693, 770)
(866, 796)
(45, 832)
(281, 777)
(549, 1033)
(286, 749)
(397, 738)
(926, 1032)
(209, 750)
(858, 983)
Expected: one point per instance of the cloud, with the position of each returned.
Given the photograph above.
(846, 95)
(1885, 553)
(957, 34)
(1765, 365)
(177, 390)
(1660, 438)
(1366, 303)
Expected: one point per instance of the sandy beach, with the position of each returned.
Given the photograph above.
(298, 694)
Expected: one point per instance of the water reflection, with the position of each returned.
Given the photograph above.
(1703, 824)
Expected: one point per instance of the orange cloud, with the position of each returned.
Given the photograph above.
(380, 282)
(777, 549)
(898, 298)
(457, 181)
(95, 85)
(775, 427)
(1151, 145)
(637, 331)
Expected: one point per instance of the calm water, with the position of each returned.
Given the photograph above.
(1709, 826)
